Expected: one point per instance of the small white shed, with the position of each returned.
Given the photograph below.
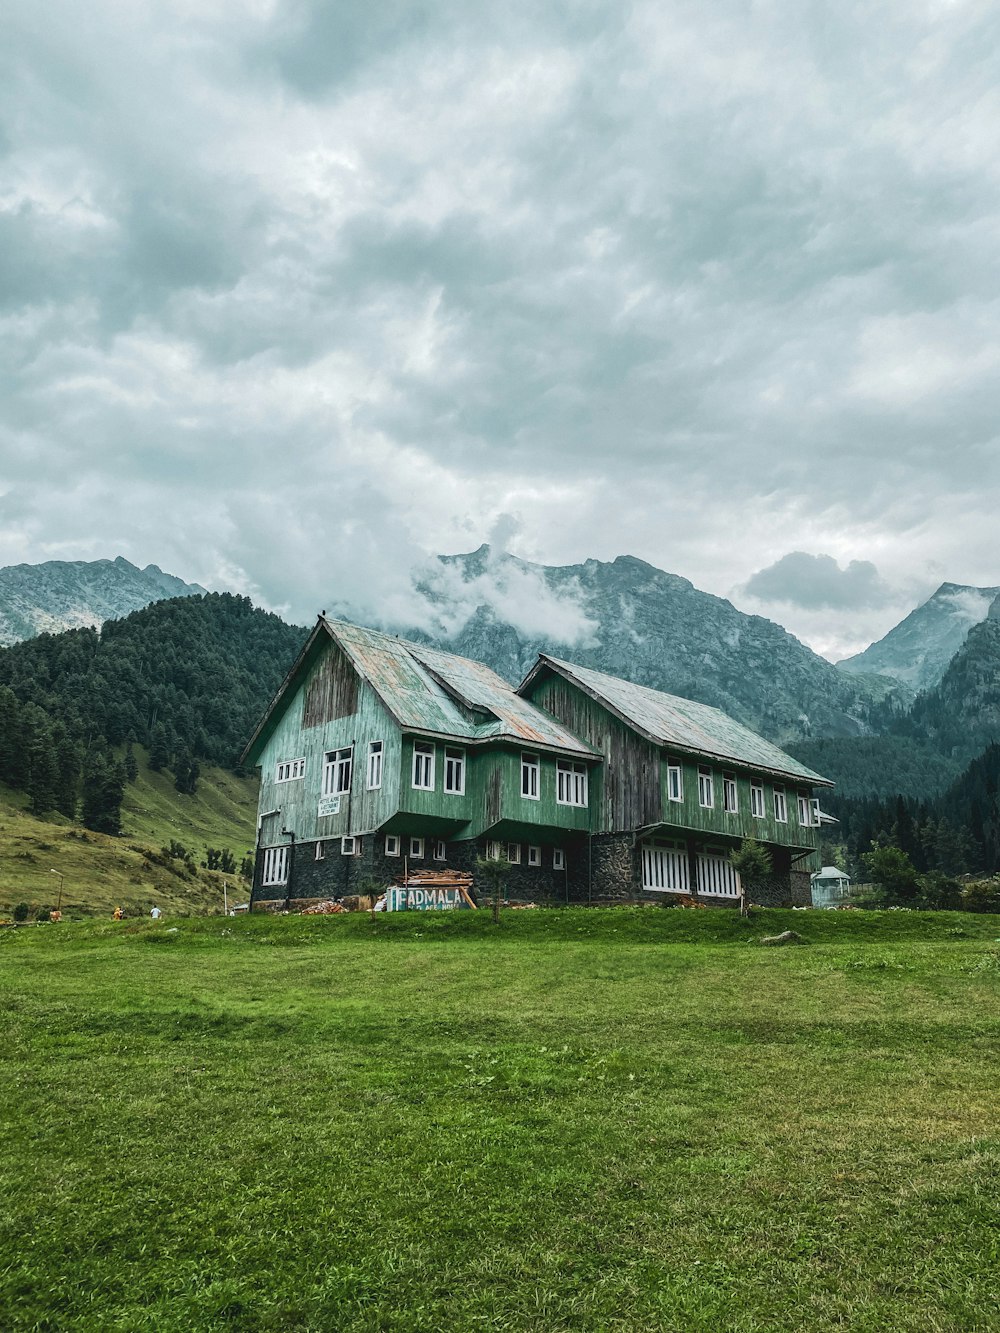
(830, 887)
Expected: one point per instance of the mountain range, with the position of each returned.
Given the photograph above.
(76, 594)
(631, 619)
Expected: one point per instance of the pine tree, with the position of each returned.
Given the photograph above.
(159, 748)
(131, 766)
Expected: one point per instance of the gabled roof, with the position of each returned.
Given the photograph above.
(676, 723)
(428, 692)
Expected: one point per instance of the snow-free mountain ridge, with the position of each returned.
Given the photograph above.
(71, 594)
(918, 650)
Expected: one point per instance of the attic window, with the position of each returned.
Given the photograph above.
(290, 769)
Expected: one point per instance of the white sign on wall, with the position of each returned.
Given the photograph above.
(328, 805)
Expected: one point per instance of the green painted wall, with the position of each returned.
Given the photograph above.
(689, 814)
(298, 800)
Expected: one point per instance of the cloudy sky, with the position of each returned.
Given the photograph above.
(295, 294)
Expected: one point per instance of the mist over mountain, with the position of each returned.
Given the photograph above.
(630, 619)
(918, 650)
(78, 594)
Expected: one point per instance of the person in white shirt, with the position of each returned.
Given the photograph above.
(155, 913)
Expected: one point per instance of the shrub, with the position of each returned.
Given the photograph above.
(981, 895)
(21, 912)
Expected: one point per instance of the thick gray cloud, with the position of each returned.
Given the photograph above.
(817, 582)
(294, 294)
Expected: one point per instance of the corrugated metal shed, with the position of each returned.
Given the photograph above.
(670, 721)
(438, 693)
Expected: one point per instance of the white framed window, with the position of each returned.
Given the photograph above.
(440, 851)
(558, 859)
(337, 772)
(730, 794)
(454, 771)
(780, 805)
(706, 787)
(514, 853)
(417, 849)
(534, 856)
(817, 819)
(494, 851)
(675, 780)
(392, 844)
(287, 770)
(373, 778)
(757, 800)
(571, 783)
(805, 813)
(275, 866)
(350, 846)
(665, 866)
(423, 766)
(320, 851)
(529, 777)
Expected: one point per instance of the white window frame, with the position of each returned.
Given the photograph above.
(494, 851)
(558, 859)
(706, 787)
(757, 808)
(392, 844)
(817, 818)
(514, 853)
(275, 867)
(730, 794)
(373, 777)
(350, 845)
(440, 850)
(531, 777)
(534, 856)
(780, 805)
(805, 813)
(416, 852)
(675, 780)
(571, 784)
(424, 758)
(454, 771)
(320, 853)
(289, 770)
(337, 771)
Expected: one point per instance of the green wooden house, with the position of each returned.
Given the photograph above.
(681, 785)
(380, 757)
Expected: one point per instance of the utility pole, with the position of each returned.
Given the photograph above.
(61, 878)
(225, 898)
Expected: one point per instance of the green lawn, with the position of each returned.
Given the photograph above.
(606, 1120)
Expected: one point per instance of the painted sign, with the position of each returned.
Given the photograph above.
(328, 805)
(413, 899)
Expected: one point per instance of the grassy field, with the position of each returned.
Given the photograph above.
(100, 872)
(594, 1120)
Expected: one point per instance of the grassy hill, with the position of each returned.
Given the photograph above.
(100, 872)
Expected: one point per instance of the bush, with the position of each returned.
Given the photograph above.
(981, 895)
(21, 912)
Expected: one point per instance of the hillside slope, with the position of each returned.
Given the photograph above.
(100, 872)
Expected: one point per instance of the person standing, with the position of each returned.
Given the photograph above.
(155, 913)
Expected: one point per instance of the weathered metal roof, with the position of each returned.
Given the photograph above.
(670, 721)
(427, 690)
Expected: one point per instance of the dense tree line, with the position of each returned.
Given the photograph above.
(188, 678)
(955, 833)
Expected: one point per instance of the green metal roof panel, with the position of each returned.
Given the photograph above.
(432, 691)
(669, 720)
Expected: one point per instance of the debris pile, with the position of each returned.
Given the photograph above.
(327, 908)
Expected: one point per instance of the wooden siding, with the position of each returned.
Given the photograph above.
(689, 814)
(625, 791)
(298, 800)
(492, 791)
(331, 689)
